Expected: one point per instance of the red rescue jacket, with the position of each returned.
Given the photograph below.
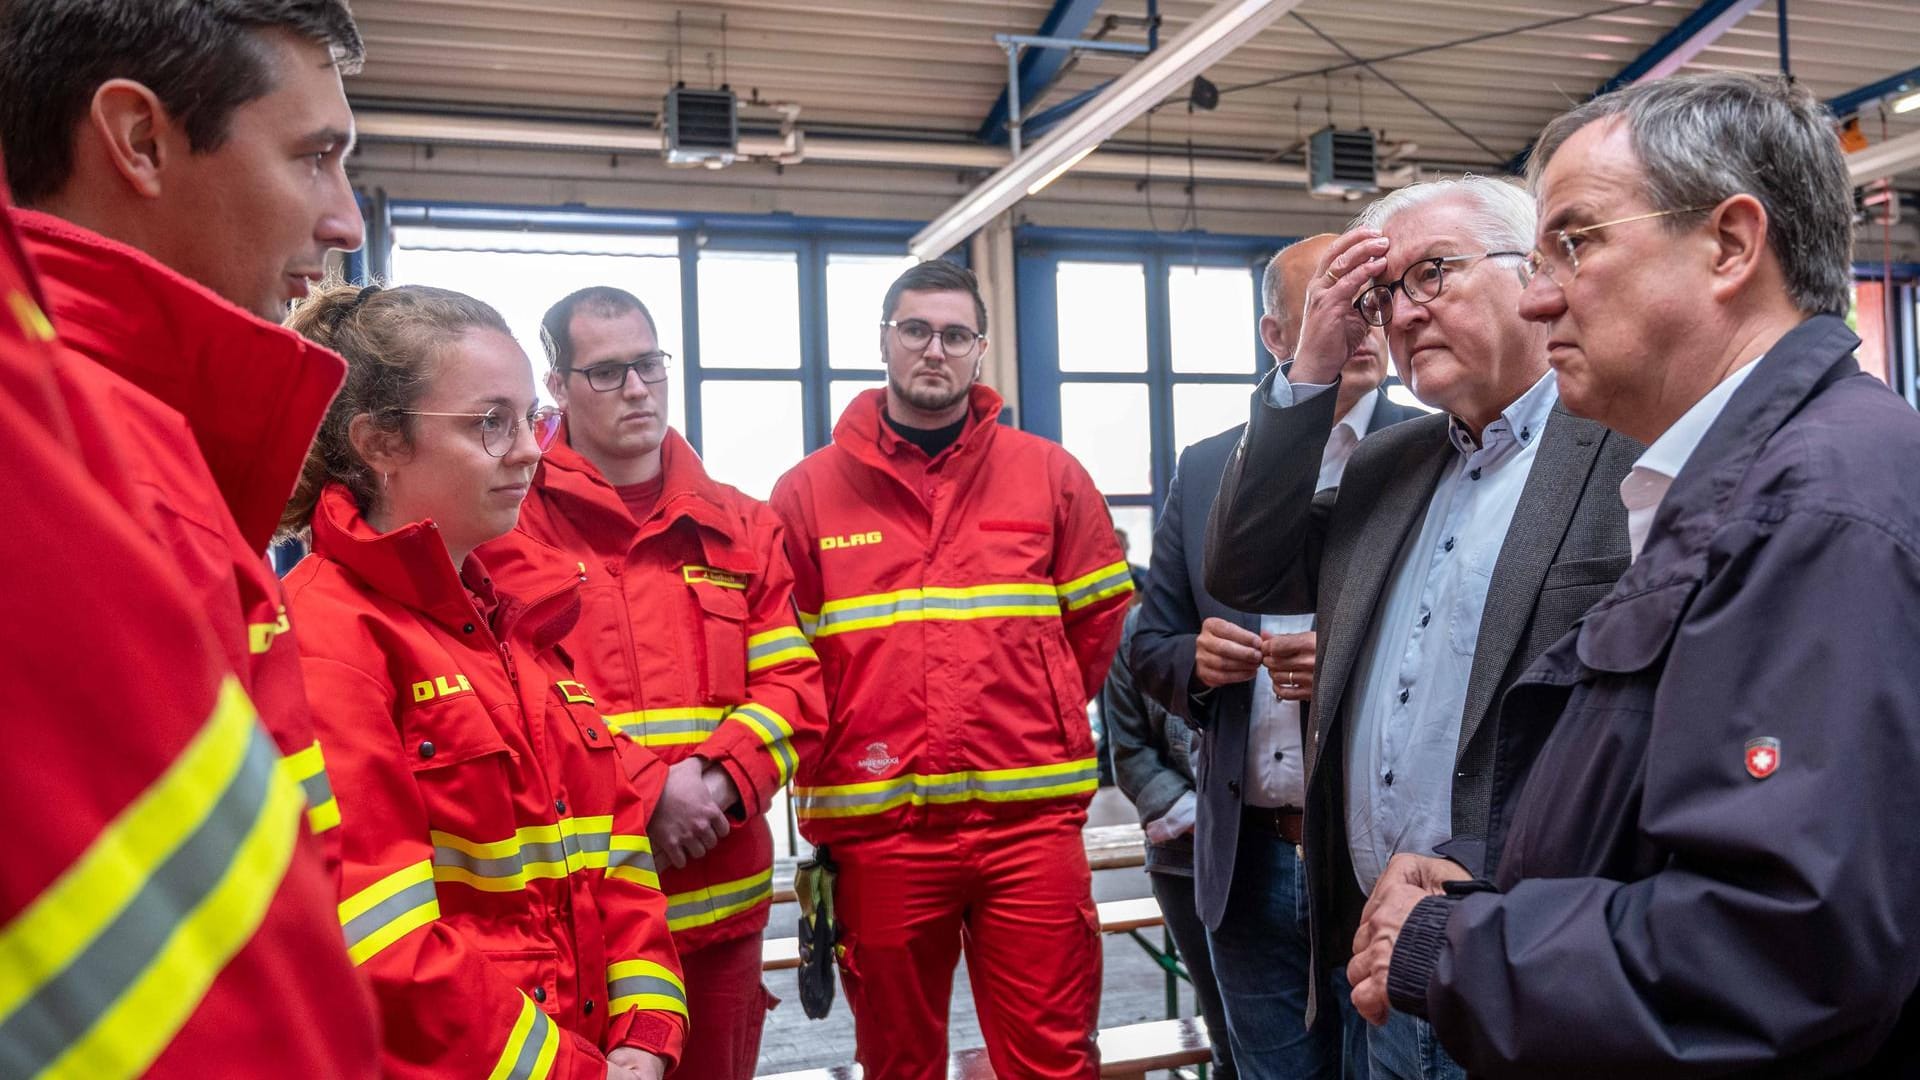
(163, 910)
(964, 609)
(500, 890)
(211, 410)
(691, 644)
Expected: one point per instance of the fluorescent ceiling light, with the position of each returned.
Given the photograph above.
(1908, 103)
(1213, 35)
(1059, 171)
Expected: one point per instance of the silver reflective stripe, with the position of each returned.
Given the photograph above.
(640, 860)
(642, 726)
(782, 643)
(943, 787)
(319, 791)
(537, 1036)
(706, 905)
(784, 751)
(1108, 582)
(39, 1029)
(370, 921)
(633, 985)
(906, 604)
(563, 851)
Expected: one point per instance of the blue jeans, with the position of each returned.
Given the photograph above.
(1405, 1048)
(1260, 960)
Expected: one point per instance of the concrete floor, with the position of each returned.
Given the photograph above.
(1134, 987)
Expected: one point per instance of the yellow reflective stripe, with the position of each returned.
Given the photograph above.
(308, 768)
(721, 900)
(260, 635)
(531, 1045)
(1006, 600)
(46, 937)
(102, 969)
(532, 853)
(916, 789)
(33, 322)
(774, 732)
(630, 858)
(667, 727)
(809, 623)
(1110, 580)
(388, 910)
(777, 646)
(643, 984)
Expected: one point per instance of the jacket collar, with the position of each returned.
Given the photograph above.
(1804, 362)
(582, 493)
(863, 431)
(412, 566)
(253, 393)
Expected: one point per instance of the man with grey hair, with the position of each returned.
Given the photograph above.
(1709, 862)
(1455, 549)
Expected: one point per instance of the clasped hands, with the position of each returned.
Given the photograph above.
(691, 816)
(1407, 880)
(1226, 653)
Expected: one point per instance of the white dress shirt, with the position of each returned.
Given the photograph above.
(1653, 473)
(1410, 683)
(1274, 774)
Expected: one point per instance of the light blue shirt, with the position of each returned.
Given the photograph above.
(1410, 684)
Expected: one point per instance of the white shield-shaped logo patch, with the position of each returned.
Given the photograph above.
(1763, 757)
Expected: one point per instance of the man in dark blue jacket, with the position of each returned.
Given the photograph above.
(1704, 858)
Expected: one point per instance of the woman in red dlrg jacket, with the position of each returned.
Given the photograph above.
(499, 889)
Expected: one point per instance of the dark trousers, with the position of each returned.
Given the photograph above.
(1175, 893)
(1260, 958)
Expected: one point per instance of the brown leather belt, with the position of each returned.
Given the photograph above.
(1281, 821)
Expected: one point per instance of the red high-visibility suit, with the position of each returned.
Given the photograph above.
(500, 890)
(688, 636)
(164, 911)
(212, 409)
(964, 609)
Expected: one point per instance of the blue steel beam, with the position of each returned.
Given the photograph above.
(1701, 28)
(1851, 101)
(1038, 124)
(1039, 66)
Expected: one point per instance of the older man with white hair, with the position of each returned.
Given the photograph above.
(1707, 861)
(1456, 548)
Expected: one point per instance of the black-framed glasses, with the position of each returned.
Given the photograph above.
(612, 375)
(1421, 282)
(1564, 264)
(499, 429)
(955, 341)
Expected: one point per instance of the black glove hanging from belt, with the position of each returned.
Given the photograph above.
(813, 882)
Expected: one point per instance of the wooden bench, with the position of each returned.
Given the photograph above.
(1126, 1053)
(1116, 917)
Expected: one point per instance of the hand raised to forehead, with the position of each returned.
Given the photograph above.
(1331, 331)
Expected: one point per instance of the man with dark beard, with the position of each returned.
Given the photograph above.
(964, 591)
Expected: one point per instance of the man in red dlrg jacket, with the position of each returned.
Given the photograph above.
(689, 639)
(964, 592)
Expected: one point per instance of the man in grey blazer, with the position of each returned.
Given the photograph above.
(1203, 662)
(1455, 550)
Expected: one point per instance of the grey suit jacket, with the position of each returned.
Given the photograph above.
(1565, 549)
(1161, 655)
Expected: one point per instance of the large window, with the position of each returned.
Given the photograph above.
(1131, 352)
(522, 274)
(774, 330)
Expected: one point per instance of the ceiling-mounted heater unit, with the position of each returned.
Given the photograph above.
(702, 127)
(1341, 163)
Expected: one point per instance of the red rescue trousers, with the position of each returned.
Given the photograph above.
(726, 1010)
(1018, 897)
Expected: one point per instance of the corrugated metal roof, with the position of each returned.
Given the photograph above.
(931, 70)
